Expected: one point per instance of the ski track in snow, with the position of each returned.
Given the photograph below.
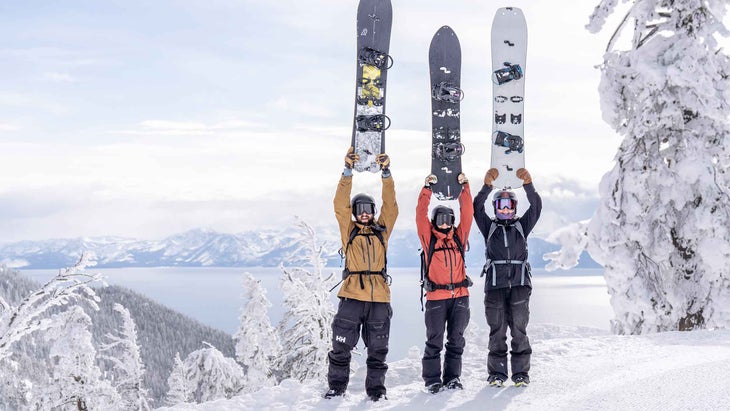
(573, 368)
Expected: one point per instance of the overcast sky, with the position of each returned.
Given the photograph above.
(146, 118)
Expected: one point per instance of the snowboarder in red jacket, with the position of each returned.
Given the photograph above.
(445, 282)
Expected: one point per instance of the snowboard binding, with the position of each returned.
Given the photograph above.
(512, 142)
(508, 73)
(375, 58)
(448, 152)
(369, 101)
(447, 92)
(377, 122)
(442, 133)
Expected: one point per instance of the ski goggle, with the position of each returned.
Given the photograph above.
(440, 219)
(364, 208)
(503, 203)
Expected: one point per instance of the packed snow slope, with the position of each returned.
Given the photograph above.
(573, 368)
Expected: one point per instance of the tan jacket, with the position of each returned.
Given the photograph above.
(365, 253)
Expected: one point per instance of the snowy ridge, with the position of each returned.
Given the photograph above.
(208, 248)
(573, 368)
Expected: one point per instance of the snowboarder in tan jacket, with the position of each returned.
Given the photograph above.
(364, 307)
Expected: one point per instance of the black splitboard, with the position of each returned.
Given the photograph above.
(374, 20)
(444, 58)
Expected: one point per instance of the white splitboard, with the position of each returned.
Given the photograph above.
(509, 57)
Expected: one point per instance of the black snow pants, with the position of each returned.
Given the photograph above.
(508, 307)
(452, 316)
(353, 318)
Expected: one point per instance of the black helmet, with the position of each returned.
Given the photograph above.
(442, 214)
(504, 199)
(362, 202)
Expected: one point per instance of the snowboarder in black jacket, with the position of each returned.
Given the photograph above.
(507, 285)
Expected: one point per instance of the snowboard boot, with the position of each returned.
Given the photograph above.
(521, 380)
(434, 388)
(334, 392)
(496, 380)
(377, 397)
(454, 384)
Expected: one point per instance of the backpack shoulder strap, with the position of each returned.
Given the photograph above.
(379, 234)
(518, 226)
(355, 231)
(492, 229)
(431, 249)
(459, 245)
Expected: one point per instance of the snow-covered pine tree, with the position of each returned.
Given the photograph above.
(179, 389)
(30, 315)
(257, 344)
(211, 375)
(662, 230)
(123, 352)
(305, 329)
(16, 390)
(76, 381)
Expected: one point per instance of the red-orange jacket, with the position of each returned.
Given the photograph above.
(447, 266)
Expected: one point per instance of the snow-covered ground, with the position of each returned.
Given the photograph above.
(573, 368)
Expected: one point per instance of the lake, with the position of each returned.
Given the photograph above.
(213, 296)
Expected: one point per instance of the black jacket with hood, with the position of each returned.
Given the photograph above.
(506, 244)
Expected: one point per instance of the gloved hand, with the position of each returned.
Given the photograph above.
(351, 158)
(524, 175)
(431, 179)
(383, 160)
(491, 175)
(462, 179)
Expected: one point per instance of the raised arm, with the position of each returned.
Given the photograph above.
(532, 214)
(480, 214)
(389, 211)
(467, 213)
(343, 210)
(423, 225)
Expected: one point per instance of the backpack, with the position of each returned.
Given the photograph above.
(490, 264)
(493, 228)
(426, 283)
(377, 231)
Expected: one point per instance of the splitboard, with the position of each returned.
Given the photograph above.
(509, 55)
(374, 19)
(444, 58)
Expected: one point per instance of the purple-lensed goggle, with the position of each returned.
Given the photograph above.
(503, 203)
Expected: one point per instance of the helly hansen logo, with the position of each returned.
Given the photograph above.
(340, 338)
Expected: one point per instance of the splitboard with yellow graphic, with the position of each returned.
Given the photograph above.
(374, 18)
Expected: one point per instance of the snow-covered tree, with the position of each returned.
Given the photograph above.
(76, 381)
(662, 230)
(179, 389)
(30, 315)
(210, 375)
(123, 352)
(305, 329)
(257, 344)
(16, 391)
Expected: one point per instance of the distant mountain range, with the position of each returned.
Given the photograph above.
(208, 248)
